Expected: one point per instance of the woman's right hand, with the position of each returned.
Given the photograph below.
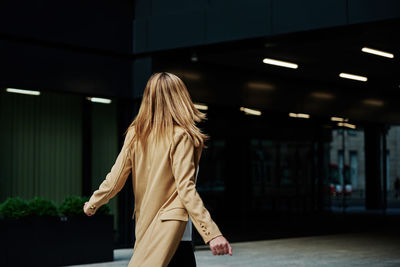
(85, 210)
(220, 246)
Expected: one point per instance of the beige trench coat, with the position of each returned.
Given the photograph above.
(165, 194)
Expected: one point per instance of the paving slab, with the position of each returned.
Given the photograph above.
(350, 249)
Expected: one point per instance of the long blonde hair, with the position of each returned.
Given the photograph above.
(166, 102)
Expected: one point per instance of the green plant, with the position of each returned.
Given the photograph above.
(105, 210)
(42, 207)
(14, 208)
(73, 206)
(17, 208)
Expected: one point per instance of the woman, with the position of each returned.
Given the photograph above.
(162, 150)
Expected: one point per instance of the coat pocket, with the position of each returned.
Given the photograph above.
(177, 214)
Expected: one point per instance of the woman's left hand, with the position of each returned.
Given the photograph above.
(220, 246)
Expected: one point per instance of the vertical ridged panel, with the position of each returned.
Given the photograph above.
(104, 146)
(41, 146)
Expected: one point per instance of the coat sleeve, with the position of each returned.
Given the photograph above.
(115, 179)
(184, 171)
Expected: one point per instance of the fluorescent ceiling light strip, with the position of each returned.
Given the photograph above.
(377, 52)
(250, 111)
(22, 91)
(302, 115)
(299, 115)
(338, 119)
(348, 125)
(323, 95)
(353, 77)
(99, 100)
(280, 63)
(201, 106)
(373, 102)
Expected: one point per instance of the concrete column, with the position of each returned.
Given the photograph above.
(373, 166)
(127, 110)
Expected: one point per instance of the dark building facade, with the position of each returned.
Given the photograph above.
(276, 152)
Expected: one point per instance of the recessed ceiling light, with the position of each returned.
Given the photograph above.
(353, 77)
(322, 95)
(250, 111)
(194, 58)
(22, 91)
(299, 115)
(195, 76)
(339, 119)
(262, 86)
(201, 106)
(99, 100)
(377, 52)
(348, 125)
(373, 102)
(280, 63)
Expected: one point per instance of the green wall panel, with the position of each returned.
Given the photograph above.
(104, 146)
(40, 146)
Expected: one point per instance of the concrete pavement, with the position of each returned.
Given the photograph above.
(350, 249)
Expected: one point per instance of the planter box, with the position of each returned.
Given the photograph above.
(56, 241)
